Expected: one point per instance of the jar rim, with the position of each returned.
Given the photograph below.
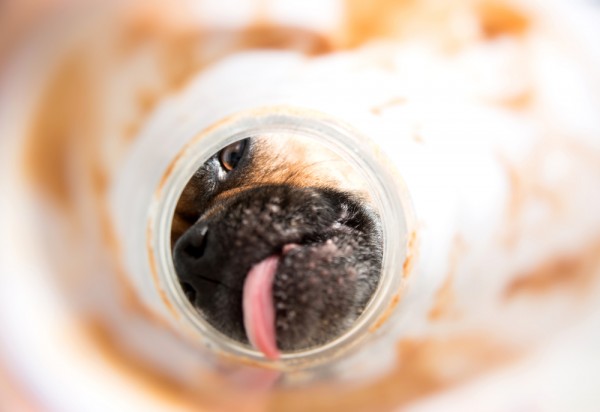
(389, 199)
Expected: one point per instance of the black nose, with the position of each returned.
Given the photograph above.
(192, 244)
(190, 291)
(188, 256)
(199, 256)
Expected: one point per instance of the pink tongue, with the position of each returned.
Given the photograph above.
(257, 303)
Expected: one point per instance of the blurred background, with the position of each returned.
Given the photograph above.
(490, 109)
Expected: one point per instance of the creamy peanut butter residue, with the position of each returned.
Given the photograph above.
(424, 366)
(563, 274)
(444, 305)
(451, 24)
(66, 158)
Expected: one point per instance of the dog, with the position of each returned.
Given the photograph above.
(276, 243)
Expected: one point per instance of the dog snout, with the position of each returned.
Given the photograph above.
(191, 252)
(188, 250)
(193, 244)
(327, 247)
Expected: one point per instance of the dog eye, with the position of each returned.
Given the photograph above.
(231, 155)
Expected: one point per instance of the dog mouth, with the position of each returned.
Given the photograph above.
(258, 306)
(258, 301)
(285, 280)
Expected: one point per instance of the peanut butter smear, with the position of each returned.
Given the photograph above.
(105, 87)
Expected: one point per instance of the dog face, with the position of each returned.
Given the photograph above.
(276, 243)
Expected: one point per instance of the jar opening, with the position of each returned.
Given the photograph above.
(279, 238)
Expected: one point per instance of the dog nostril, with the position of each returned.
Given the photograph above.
(196, 244)
(189, 291)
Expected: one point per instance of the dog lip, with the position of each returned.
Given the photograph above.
(289, 247)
